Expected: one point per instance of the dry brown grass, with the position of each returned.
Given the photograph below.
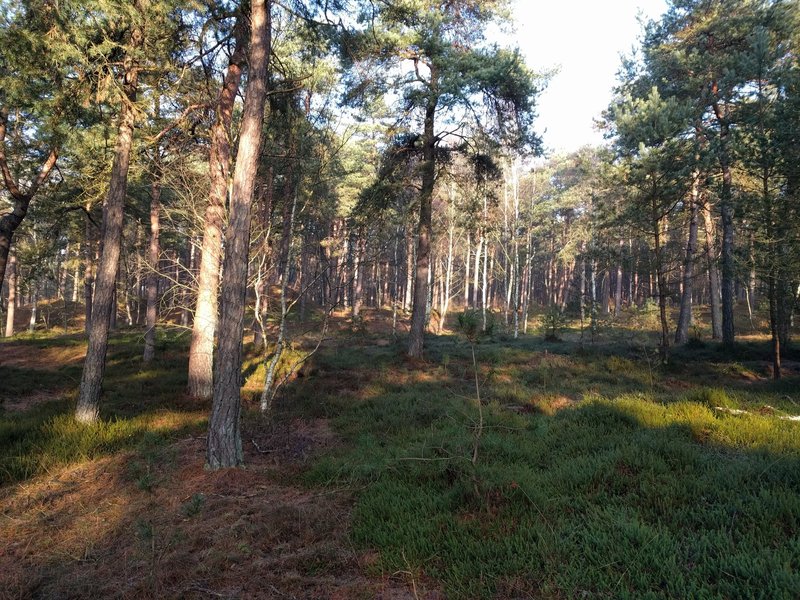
(90, 531)
(22, 403)
(27, 356)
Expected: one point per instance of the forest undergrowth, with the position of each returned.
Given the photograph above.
(598, 472)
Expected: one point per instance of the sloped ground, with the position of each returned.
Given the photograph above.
(597, 474)
(153, 523)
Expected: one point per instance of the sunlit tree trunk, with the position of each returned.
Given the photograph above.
(447, 277)
(466, 271)
(424, 231)
(76, 277)
(34, 307)
(88, 275)
(88, 408)
(12, 295)
(358, 275)
(396, 287)
(201, 350)
(477, 271)
(618, 283)
(582, 291)
(685, 315)
(410, 250)
(661, 282)
(151, 312)
(485, 286)
(224, 447)
(267, 392)
(20, 200)
(726, 212)
(713, 274)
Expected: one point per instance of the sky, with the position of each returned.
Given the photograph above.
(585, 39)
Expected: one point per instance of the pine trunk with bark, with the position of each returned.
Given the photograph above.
(151, 312)
(20, 200)
(660, 278)
(420, 304)
(88, 408)
(224, 448)
(448, 276)
(88, 275)
(12, 295)
(685, 314)
(713, 274)
(201, 350)
(726, 212)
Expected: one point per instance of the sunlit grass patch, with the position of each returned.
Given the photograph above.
(35, 444)
(139, 400)
(622, 495)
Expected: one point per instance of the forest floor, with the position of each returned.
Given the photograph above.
(596, 472)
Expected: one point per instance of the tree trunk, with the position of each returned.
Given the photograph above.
(88, 408)
(224, 448)
(12, 295)
(726, 212)
(268, 392)
(409, 272)
(618, 283)
(582, 299)
(34, 306)
(62, 273)
(151, 311)
(477, 271)
(419, 308)
(396, 287)
(713, 275)
(21, 201)
(447, 278)
(201, 350)
(685, 315)
(466, 272)
(605, 291)
(88, 276)
(661, 283)
(484, 290)
(773, 326)
(289, 193)
(358, 275)
(76, 277)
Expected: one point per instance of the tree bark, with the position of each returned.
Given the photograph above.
(88, 276)
(726, 212)
(447, 278)
(88, 408)
(224, 448)
(466, 272)
(268, 392)
(201, 350)
(358, 274)
(582, 284)
(151, 312)
(685, 315)
(21, 200)
(477, 271)
(485, 287)
(661, 282)
(713, 275)
(618, 283)
(34, 306)
(409, 289)
(419, 308)
(12, 295)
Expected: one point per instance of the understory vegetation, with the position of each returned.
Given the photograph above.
(303, 299)
(599, 472)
